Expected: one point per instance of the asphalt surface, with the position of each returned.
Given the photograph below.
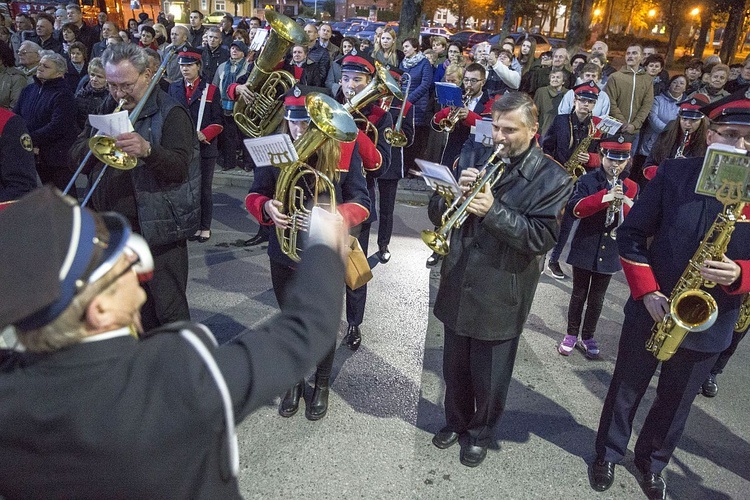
(386, 399)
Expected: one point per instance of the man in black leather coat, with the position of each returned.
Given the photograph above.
(489, 277)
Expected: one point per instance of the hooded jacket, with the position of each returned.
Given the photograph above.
(631, 94)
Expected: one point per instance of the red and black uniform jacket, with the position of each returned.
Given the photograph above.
(566, 133)
(212, 123)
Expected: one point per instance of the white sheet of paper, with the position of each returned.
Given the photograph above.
(483, 132)
(271, 149)
(435, 174)
(258, 39)
(113, 124)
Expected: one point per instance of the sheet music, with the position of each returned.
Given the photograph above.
(437, 175)
(113, 124)
(483, 132)
(609, 125)
(449, 94)
(271, 150)
(258, 40)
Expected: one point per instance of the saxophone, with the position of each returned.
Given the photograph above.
(680, 153)
(573, 166)
(692, 309)
(743, 321)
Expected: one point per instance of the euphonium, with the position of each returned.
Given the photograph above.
(329, 121)
(448, 123)
(381, 85)
(264, 116)
(692, 309)
(456, 214)
(394, 136)
(680, 153)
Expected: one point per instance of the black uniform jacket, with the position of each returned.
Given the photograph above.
(488, 279)
(123, 418)
(660, 236)
(213, 116)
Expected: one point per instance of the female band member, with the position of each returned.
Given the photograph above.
(597, 198)
(341, 163)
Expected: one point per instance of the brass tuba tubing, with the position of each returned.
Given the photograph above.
(394, 136)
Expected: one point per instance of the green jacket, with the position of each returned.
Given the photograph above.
(631, 96)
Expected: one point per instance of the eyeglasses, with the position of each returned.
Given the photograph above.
(472, 81)
(733, 136)
(24, 52)
(125, 88)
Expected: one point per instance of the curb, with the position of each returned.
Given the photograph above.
(408, 191)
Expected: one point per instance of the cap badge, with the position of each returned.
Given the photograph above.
(353, 52)
(297, 92)
(621, 139)
(693, 101)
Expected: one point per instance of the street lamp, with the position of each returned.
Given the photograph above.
(695, 12)
(652, 13)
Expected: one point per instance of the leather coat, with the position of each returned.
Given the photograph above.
(489, 278)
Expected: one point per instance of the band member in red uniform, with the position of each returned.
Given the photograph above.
(388, 180)
(657, 243)
(203, 100)
(561, 141)
(356, 72)
(342, 164)
(601, 200)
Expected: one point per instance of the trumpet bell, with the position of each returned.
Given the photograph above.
(104, 149)
(436, 241)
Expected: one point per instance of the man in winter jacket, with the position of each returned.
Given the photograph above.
(631, 94)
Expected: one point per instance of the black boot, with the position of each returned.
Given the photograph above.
(353, 337)
(290, 403)
(318, 406)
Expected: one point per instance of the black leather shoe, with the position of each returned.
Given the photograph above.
(318, 406)
(445, 439)
(653, 485)
(203, 239)
(290, 403)
(710, 388)
(353, 337)
(473, 454)
(384, 255)
(602, 475)
(433, 259)
(194, 237)
(256, 240)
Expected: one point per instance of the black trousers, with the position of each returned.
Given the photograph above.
(678, 385)
(207, 202)
(417, 148)
(477, 374)
(565, 227)
(387, 189)
(356, 299)
(721, 363)
(230, 141)
(589, 287)
(281, 278)
(166, 293)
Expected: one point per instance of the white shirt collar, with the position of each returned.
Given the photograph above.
(121, 332)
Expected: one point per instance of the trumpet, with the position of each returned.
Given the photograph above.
(456, 214)
(394, 136)
(448, 123)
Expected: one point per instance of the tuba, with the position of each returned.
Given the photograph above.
(329, 121)
(692, 309)
(381, 85)
(394, 136)
(264, 116)
(456, 214)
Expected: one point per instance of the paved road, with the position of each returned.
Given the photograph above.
(387, 398)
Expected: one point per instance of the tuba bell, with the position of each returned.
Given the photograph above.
(381, 85)
(264, 116)
(329, 121)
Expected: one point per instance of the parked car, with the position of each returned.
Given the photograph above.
(434, 31)
(354, 30)
(216, 17)
(478, 37)
(462, 36)
(542, 44)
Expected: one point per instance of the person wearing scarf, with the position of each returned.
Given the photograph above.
(229, 73)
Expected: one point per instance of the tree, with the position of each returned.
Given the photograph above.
(410, 20)
(237, 4)
(732, 30)
(706, 20)
(674, 17)
(578, 28)
(508, 19)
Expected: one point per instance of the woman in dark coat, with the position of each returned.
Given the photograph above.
(93, 93)
(303, 69)
(416, 64)
(77, 67)
(48, 107)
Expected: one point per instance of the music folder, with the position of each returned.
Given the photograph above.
(449, 94)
